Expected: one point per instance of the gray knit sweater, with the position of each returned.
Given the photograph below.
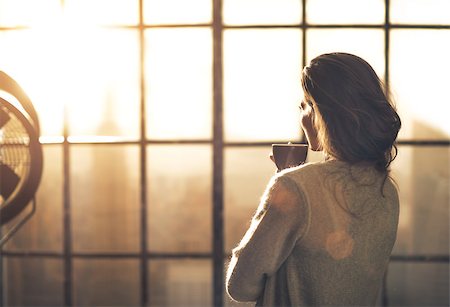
(322, 235)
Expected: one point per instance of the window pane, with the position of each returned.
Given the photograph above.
(345, 11)
(105, 198)
(102, 83)
(28, 12)
(84, 69)
(177, 11)
(33, 282)
(43, 232)
(180, 283)
(179, 186)
(419, 65)
(179, 83)
(248, 12)
(26, 55)
(367, 44)
(418, 284)
(103, 12)
(420, 11)
(262, 84)
(246, 174)
(106, 282)
(422, 174)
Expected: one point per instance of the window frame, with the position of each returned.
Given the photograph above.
(218, 256)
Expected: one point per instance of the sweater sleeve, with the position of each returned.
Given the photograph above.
(279, 222)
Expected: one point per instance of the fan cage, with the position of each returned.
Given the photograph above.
(21, 153)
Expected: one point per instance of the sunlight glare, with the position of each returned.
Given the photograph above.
(30, 58)
(262, 12)
(69, 69)
(179, 83)
(177, 11)
(366, 43)
(418, 83)
(262, 84)
(103, 12)
(420, 11)
(345, 11)
(15, 13)
(13, 100)
(102, 82)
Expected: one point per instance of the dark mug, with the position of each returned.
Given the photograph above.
(289, 155)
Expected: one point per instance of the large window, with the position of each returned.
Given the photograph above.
(157, 118)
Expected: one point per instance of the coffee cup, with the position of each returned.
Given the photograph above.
(289, 155)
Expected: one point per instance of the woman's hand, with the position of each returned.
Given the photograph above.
(288, 155)
(273, 160)
(307, 123)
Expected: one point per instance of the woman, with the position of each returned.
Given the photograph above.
(323, 232)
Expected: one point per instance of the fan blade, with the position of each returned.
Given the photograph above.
(4, 117)
(8, 181)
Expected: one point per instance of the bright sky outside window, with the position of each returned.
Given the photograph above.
(262, 84)
(179, 83)
(177, 11)
(261, 12)
(345, 11)
(68, 59)
(418, 60)
(103, 12)
(94, 72)
(420, 11)
(12, 12)
(31, 55)
(102, 83)
(367, 43)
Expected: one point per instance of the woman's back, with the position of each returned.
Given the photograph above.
(351, 228)
(323, 232)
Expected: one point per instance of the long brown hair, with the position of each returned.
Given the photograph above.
(354, 119)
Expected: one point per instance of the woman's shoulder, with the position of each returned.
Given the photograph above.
(310, 169)
(313, 175)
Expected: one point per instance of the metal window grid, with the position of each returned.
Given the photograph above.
(218, 143)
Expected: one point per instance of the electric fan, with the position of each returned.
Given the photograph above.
(20, 155)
